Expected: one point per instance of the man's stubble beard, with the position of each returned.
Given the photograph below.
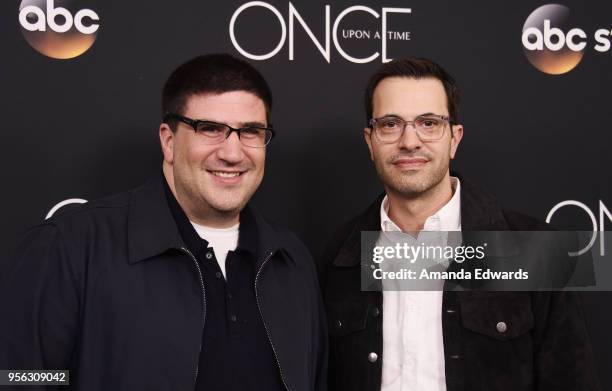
(411, 184)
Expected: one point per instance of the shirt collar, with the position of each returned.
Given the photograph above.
(447, 218)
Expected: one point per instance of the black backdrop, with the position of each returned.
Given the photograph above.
(87, 127)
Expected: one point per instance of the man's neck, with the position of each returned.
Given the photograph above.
(411, 212)
(208, 217)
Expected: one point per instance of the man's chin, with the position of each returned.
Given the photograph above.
(410, 187)
(227, 201)
(225, 207)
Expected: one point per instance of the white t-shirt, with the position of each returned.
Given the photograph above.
(222, 240)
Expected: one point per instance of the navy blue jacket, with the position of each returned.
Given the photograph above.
(110, 291)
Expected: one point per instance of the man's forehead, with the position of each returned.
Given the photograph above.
(234, 106)
(235, 98)
(409, 96)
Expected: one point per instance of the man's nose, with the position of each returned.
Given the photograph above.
(409, 140)
(231, 149)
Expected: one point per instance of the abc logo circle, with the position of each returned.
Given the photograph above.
(547, 45)
(60, 29)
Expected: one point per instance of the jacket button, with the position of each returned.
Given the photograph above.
(339, 324)
(502, 327)
(209, 255)
(218, 275)
(372, 357)
(455, 356)
(450, 311)
(375, 312)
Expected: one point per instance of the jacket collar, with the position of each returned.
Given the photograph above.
(152, 229)
(480, 211)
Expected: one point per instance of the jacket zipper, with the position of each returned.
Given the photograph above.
(195, 262)
(264, 321)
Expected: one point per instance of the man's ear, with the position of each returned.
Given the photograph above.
(166, 139)
(367, 135)
(457, 135)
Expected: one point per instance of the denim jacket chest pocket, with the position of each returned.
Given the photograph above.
(498, 315)
(346, 318)
(496, 341)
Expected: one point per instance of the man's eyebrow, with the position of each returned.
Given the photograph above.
(253, 124)
(390, 115)
(399, 116)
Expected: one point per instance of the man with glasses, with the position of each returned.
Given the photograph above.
(178, 284)
(438, 340)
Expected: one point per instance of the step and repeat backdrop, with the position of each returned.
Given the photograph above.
(81, 83)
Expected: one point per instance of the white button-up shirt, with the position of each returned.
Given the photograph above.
(413, 349)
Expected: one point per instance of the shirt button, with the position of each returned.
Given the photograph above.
(234, 318)
(218, 275)
(502, 327)
(209, 255)
(375, 312)
(372, 357)
(229, 296)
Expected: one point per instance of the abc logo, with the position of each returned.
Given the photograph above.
(547, 46)
(56, 28)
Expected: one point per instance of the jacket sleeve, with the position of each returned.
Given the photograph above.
(40, 304)
(564, 356)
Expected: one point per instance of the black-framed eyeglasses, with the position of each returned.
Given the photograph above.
(429, 127)
(215, 133)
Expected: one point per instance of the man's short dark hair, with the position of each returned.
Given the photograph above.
(416, 68)
(212, 74)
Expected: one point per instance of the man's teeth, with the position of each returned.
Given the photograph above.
(223, 174)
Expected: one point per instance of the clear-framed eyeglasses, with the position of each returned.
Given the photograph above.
(429, 127)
